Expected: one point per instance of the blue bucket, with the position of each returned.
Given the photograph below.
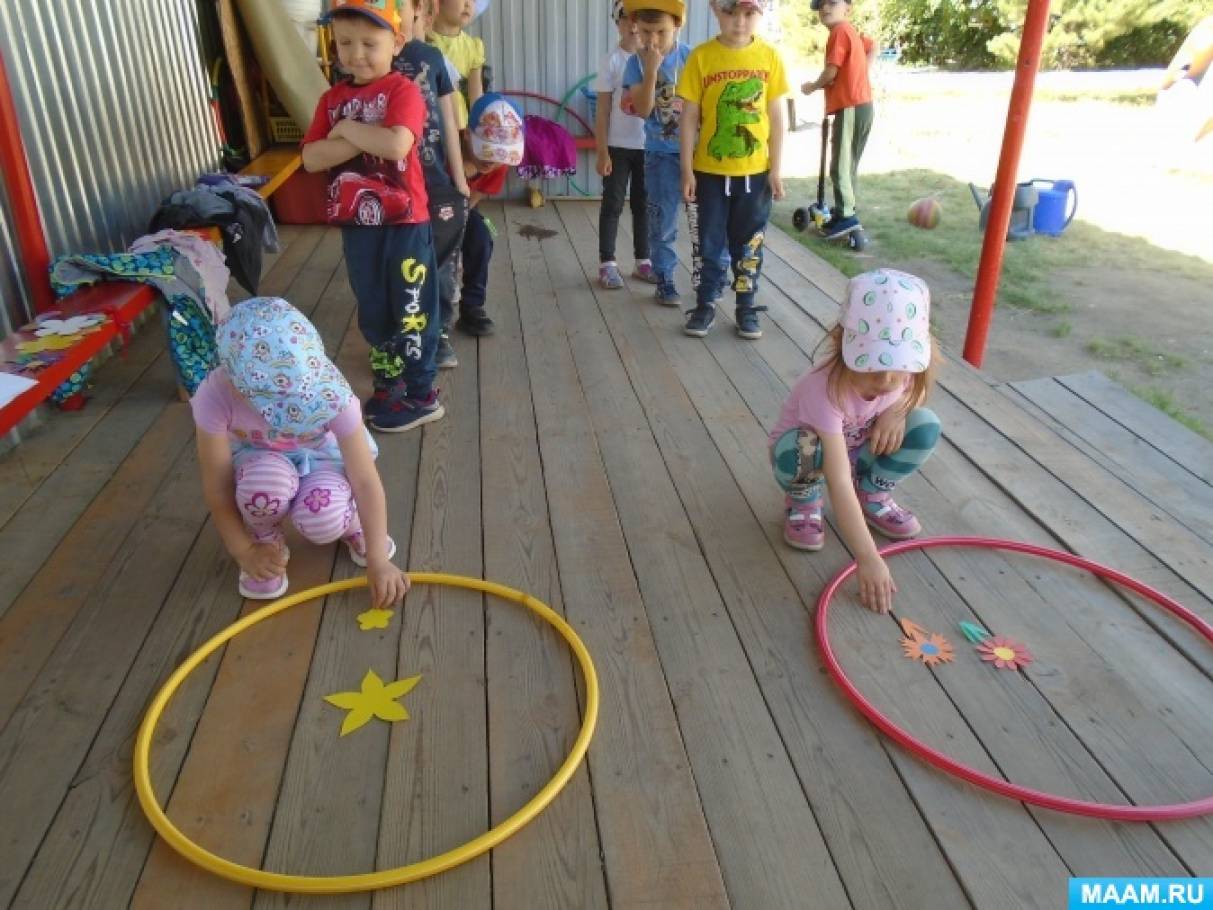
(1055, 207)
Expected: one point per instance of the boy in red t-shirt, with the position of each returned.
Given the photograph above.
(848, 95)
(365, 134)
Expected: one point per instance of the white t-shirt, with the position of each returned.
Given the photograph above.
(624, 130)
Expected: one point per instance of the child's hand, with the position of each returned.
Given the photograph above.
(603, 164)
(887, 432)
(688, 187)
(387, 583)
(876, 587)
(808, 88)
(337, 130)
(263, 561)
(776, 183)
(650, 57)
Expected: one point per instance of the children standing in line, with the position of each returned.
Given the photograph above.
(465, 51)
(848, 97)
(855, 424)
(732, 140)
(365, 134)
(280, 435)
(649, 79)
(620, 160)
(439, 150)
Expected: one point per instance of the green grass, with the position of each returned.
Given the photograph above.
(1165, 402)
(1132, 350)
(1061, 329)
(1028, 266)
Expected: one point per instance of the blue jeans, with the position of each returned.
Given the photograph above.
(733, 213)
(663, 182)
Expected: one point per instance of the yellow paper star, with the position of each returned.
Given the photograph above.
(375, 619)
(375, 700)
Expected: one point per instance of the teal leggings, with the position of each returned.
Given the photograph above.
(796, 458)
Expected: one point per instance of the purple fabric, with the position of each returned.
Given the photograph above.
(549, 150)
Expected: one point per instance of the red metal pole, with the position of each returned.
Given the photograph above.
(27, 221)
(990, 269)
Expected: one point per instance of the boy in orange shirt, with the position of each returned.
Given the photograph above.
(849, 98)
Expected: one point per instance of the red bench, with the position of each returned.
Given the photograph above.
(122, 302)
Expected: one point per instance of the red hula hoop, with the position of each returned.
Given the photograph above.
(972, 775)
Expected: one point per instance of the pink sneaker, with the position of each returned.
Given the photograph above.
(271, 588)
(356, 543)
(804, 527)
(644, 271)
(886, 516)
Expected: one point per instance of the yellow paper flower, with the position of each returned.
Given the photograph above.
(375, 700)
(375, 619)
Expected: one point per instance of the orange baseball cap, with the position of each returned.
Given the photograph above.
(382, 12)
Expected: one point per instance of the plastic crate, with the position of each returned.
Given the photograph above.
(284, 129)
(302, 199)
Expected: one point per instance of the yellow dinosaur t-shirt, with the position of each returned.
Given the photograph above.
(733, 87)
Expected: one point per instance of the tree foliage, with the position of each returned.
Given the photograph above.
(984, 34)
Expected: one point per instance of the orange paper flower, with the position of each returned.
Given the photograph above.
(930, 648)
(1004, 653)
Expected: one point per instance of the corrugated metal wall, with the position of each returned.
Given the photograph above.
(112, 96)
(548, 46)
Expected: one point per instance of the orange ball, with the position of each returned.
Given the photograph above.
(925, 213)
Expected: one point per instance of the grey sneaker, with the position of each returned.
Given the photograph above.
(609, 277)
(445, 357)
(667, 294)
(699, 321)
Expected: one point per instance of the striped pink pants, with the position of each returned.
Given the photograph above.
(269, 489)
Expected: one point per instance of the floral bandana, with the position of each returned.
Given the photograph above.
(276, 361)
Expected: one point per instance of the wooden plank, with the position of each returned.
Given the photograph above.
(221, 798)
(436, 796)
(1119, 451)
(1070, 517)
(26, 466)
(30, 537)
(278, 163)
(38, 618)
(332, 783)
(963, 825)
(93, 853)
(1181, 445)
(1081, 637)
(655, 841)
(767, 840)
(1133, 715)
(224, 795)
(554, 862)
(48, 736)
(238, 53)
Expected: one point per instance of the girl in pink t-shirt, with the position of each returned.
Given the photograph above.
(280, 435)
(854, 423)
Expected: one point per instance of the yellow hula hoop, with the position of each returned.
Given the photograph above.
(386, 878)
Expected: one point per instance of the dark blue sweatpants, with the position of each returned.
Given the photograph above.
(477, 252)
(733, 214)
(391, 269)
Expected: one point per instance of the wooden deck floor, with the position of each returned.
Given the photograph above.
(595, 456)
